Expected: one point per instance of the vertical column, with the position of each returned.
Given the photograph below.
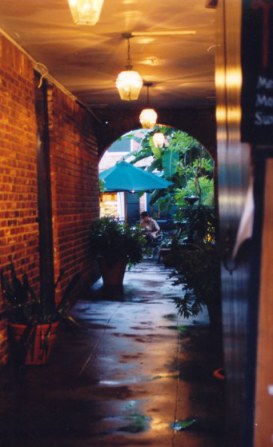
(234, 179)
(44, 198)
(264, 370)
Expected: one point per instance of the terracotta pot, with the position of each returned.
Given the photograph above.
(112, 276)
(33, 344)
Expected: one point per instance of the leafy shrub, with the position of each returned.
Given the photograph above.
(112, 240)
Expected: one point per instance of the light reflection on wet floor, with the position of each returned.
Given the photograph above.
(124, 379)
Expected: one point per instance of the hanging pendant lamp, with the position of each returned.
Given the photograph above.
(148, 116)
(159, 139)
(85, 12)
(129, 82)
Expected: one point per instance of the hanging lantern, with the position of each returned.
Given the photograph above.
(85, 12)
(159, 139)
(129, 82)
(148, 118)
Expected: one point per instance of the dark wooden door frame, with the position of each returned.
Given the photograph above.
(44, 196)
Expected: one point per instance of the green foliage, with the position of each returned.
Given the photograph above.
(16, 291)
(101, 185)
(113, 241)
(157, 151)
(197, 269)
(25, 307)
(170, 161)
(183, 161)
(204, 189)
(197, 223)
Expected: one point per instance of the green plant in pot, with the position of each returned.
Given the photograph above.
(115, 245)
(197, 269)
(195, 257)
(33, 323)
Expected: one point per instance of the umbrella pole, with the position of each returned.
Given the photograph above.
(125, 206)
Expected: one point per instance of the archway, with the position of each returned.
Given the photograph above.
(180, 158)
(199, 123)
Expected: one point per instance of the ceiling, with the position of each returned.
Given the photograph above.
(172, 47)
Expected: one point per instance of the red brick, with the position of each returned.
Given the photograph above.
(75, 191)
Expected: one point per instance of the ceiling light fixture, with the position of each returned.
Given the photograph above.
(159, 139)
(129, 82)
(148, 116)
(85, 12)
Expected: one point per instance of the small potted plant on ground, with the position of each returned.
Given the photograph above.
(195, 257)
(198, 271)
(32, 323)
(115, 245)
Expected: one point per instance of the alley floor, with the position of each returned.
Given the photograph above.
(133, 374)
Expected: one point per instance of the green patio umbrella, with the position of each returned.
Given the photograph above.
(126, 177)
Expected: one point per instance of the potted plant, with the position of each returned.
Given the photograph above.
(115, 245)
(32, 323)
(195, 257)
(197, 269)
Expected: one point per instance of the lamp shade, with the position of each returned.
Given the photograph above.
(129, 84)
(85, 12)
(148, 118)
(159, 139)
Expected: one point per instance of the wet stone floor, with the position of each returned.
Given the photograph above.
(134, 374)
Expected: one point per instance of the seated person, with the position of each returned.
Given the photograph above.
(150, 227)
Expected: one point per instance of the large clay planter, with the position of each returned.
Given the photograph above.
(112, 276)
(33, 344)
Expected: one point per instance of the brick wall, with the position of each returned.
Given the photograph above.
(74, 183)
(18, 179)
(18, 170)
(73, 175)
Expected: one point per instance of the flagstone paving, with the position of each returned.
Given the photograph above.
(134, 374)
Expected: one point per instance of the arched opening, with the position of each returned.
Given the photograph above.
(178, 158)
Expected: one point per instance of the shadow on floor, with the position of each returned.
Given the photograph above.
(135, 374)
